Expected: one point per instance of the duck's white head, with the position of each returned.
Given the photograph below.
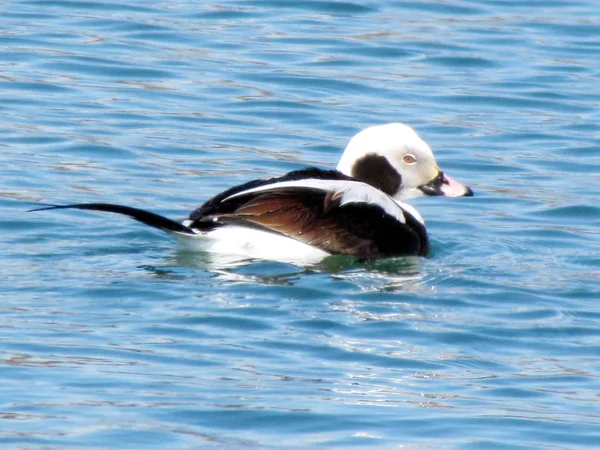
(394, 159)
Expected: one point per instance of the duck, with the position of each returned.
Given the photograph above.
(358, 209)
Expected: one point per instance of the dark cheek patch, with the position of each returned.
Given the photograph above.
(377, 171)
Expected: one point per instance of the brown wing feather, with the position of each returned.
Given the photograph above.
(309, 218)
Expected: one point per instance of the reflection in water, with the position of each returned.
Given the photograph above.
(384, 275)
(371, 276)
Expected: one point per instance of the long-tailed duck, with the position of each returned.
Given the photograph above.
(308, 214)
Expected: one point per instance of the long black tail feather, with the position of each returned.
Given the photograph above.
(146, 217)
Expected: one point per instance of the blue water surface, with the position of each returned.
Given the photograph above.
(111, 338)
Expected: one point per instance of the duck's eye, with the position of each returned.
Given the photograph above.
(409, 159)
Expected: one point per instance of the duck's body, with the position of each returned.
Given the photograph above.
(323, 210)
(309, 214)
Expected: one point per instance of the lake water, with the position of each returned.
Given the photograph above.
(110, 338)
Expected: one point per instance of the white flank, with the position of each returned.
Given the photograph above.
(250, 243)
(351, 192)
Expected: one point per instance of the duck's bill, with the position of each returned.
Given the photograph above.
(442, 184)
